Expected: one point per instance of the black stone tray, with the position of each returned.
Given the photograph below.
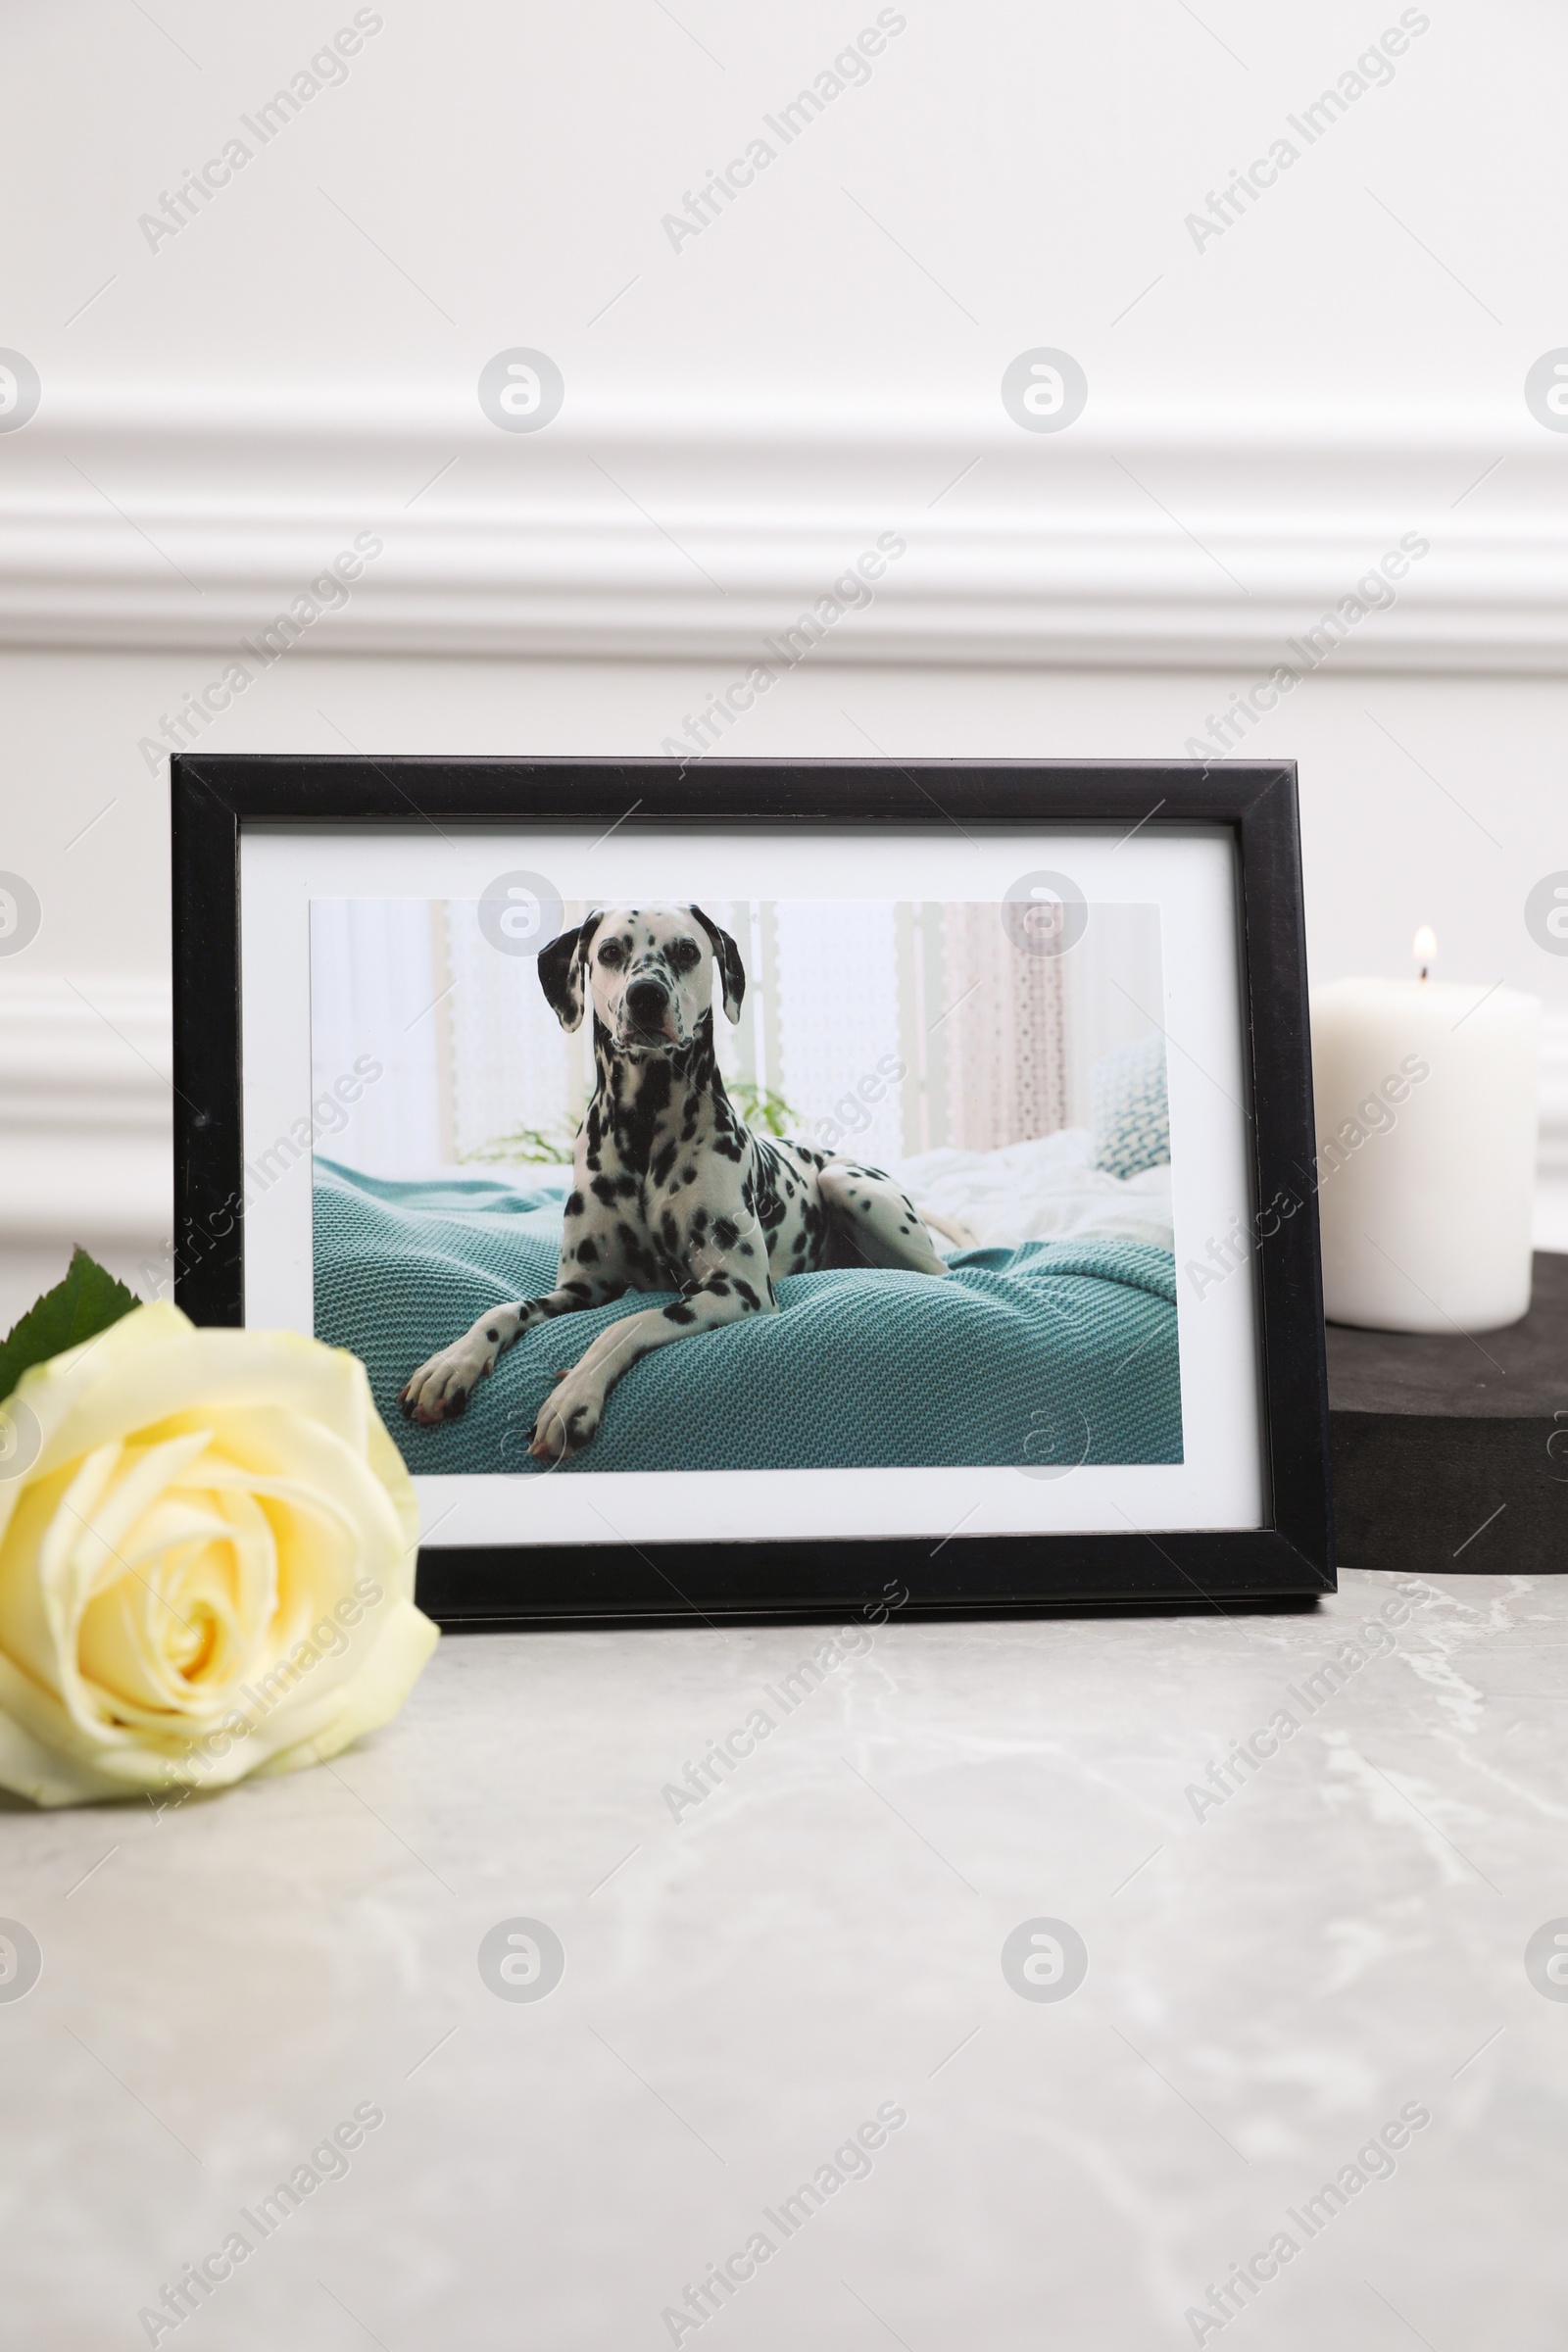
(1452, 1452)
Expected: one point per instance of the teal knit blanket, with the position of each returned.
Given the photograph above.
(1041, 1356)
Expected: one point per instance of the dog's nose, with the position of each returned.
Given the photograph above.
(648, 1002)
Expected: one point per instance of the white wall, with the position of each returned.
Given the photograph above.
(1267, 415)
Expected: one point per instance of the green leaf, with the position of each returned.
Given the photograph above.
(85, 1304)
(763, 1109)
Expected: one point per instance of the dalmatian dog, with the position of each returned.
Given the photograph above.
(671, 1191)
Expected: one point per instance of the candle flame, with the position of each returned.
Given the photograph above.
(1425, 948)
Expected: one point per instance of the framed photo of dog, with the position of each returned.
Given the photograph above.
(768, 1188)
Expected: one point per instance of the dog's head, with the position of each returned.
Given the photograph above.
(649, 972)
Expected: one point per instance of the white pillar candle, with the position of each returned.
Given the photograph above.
(1426, 1110)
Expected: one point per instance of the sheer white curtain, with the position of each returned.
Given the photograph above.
(830, 1016)
(376, 994)
(518, 1082)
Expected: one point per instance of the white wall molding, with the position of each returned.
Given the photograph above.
(1190, 546)
(84, 1112)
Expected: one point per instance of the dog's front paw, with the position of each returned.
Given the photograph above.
(568, 1419)
(440, 1390)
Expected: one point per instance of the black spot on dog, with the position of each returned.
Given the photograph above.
(574, 1204)
(726, 1233)
(604, 1189)
(679, 1314)
(491, 1333)
(588, 1253)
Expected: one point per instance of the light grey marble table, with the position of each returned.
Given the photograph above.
(1272, 1981)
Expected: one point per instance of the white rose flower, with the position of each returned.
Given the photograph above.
(206, 1556)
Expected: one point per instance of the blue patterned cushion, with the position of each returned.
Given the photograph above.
(1132, 1116)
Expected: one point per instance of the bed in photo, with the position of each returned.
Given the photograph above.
(1001, 1079)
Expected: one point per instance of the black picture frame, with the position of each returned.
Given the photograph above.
(1288, 1560)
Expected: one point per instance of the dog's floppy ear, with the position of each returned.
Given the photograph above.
(727, 957)
(563, 967)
